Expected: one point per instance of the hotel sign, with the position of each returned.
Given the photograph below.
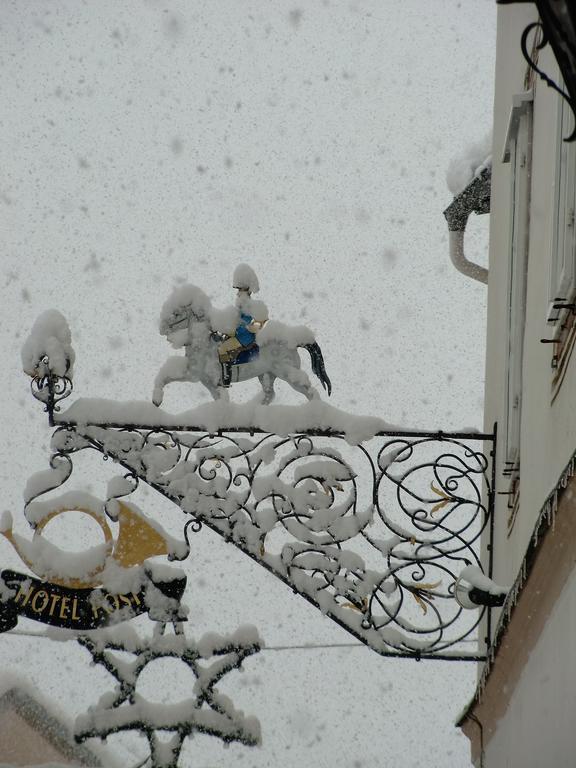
(81, 602)
(80, 609)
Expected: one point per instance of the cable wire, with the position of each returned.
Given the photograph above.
(303, 647)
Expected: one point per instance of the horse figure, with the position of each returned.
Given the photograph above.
(189, 320)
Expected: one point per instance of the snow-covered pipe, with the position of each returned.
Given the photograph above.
(462, 264)
(473, 198)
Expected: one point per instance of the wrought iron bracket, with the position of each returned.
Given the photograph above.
(373, 535)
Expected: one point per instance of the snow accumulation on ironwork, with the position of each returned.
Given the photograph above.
(374, 534)
(50, 338)
(315, 415)
(368, 522)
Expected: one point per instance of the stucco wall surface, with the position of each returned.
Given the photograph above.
(538, 727)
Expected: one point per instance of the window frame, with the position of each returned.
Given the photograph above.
(518, 154)
(562, 270)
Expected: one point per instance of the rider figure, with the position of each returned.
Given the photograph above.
(252, 315)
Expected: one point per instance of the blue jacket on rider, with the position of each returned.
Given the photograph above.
(244, 336)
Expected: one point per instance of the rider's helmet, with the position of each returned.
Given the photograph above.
(245, 279)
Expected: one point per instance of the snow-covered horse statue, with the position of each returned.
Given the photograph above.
(189, 320)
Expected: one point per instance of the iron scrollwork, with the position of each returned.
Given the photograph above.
(374, 535)
(50, 388)
(206, 711)
(556, 27)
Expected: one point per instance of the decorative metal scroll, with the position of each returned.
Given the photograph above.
(373, 535)
(50, 388)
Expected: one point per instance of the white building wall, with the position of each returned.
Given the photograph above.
(548, 430)
(537, 728)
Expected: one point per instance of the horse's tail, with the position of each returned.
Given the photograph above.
(318, 365)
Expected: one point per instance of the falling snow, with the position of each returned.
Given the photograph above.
(149, 145)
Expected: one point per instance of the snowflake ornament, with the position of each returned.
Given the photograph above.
(206, 711)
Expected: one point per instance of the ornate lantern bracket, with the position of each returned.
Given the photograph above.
(50, 388)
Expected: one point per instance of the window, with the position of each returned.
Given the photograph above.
(562, 276)
(562, 265)
(517, 153)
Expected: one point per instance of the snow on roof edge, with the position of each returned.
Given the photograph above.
(57, 725)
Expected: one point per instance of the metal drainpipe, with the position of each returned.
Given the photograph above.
(474, 198)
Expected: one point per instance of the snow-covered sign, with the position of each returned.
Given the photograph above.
(369, 524)
(104, 584)
(78, 609)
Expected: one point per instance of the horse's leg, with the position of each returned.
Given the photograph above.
(218, 393)
(307, 390)
(298, 380)
(174, 369)
(267, 382)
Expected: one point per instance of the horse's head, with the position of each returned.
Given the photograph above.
(186, 305)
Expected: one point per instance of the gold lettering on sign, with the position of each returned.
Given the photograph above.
(64, 607)
(125, 599)
(45, 599)
(46, 602)
(72, 607)
(23, 594)
(55, 599)
(111, 605)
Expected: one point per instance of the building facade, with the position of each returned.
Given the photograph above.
(30, 734)
(523, 712)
